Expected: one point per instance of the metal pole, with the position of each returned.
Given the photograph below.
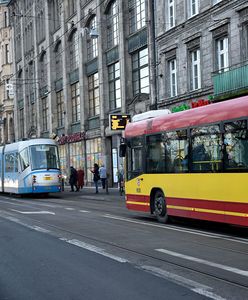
(106, 185)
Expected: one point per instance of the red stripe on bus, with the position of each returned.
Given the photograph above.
(138, 202)
(209, 204)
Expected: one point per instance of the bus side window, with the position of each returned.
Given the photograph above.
(236, 145)
(176, 151)
(155, 159)
(206, 149)
(24, 159)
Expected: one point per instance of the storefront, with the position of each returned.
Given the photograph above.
(76, 151)
(72, 152)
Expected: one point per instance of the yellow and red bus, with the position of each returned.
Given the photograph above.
(191, 164)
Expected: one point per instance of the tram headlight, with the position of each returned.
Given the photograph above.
(34, 178)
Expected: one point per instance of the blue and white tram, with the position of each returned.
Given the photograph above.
(30, 166)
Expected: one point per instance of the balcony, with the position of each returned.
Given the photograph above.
(231, 82)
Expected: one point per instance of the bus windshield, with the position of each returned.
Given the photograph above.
(44, 157)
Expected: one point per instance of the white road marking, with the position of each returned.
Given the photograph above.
(205, 262)
(43, 212)
(33, 227)
(174, 228)
(94, 249)
(69, 208)
(187, 283)
(84, 211)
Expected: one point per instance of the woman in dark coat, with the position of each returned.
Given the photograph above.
(73, 179)
(96, 176)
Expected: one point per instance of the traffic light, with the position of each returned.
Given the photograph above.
(119, 122)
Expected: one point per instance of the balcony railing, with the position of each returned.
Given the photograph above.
(231, 81)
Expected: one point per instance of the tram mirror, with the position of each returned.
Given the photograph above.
(122, 150)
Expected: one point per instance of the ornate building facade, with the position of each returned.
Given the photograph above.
(6, 84)
(202, 51)
(76, 62)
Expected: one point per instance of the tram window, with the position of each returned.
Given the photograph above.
(24, 159)
(15, 158)
(176, 157)
(236, 145)
(206, 149)
(10, 162)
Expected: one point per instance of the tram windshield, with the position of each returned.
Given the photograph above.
(44, 157)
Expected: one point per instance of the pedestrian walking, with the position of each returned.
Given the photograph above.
(120, 175)
(96, 176)
(103, 175)
(73, 179)
(80, 182)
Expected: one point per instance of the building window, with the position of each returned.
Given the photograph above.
(195, 70)
(21, 118)
(43, 70)
(33, 114)
(58, 61)
(137, 15)
(60, 109)
(222, 53)
(7, 54)
(73, 51)
(40, 28)
(140, 72)
(71, 6)
(173, 77)
(171, 13)
(92, 43)
(94, 102)
(55, 8)
(113, 25)
(194, 7)
(75, 98)
(6, 19)
(93, 150)
(244, 42)
(44, 110)
(114, 86)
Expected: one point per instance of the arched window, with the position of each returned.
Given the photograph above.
(92, 43)
(43, 70)
(137, 15)
(58, 61)
(73, 51)
(113, 25)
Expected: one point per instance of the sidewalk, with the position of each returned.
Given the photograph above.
(89, 193)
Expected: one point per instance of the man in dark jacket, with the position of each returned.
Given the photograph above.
(73, 179)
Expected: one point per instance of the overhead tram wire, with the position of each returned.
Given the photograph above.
(52, 43)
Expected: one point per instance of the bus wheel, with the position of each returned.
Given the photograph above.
(160, 207)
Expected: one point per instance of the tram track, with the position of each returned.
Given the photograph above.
(54, 229)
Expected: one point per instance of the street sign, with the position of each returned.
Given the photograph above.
(118, 121)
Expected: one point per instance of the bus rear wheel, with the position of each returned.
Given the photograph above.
(160, 207)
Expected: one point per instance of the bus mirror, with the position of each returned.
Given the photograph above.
(122, 150)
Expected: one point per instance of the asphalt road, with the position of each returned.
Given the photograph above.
(87, 246)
